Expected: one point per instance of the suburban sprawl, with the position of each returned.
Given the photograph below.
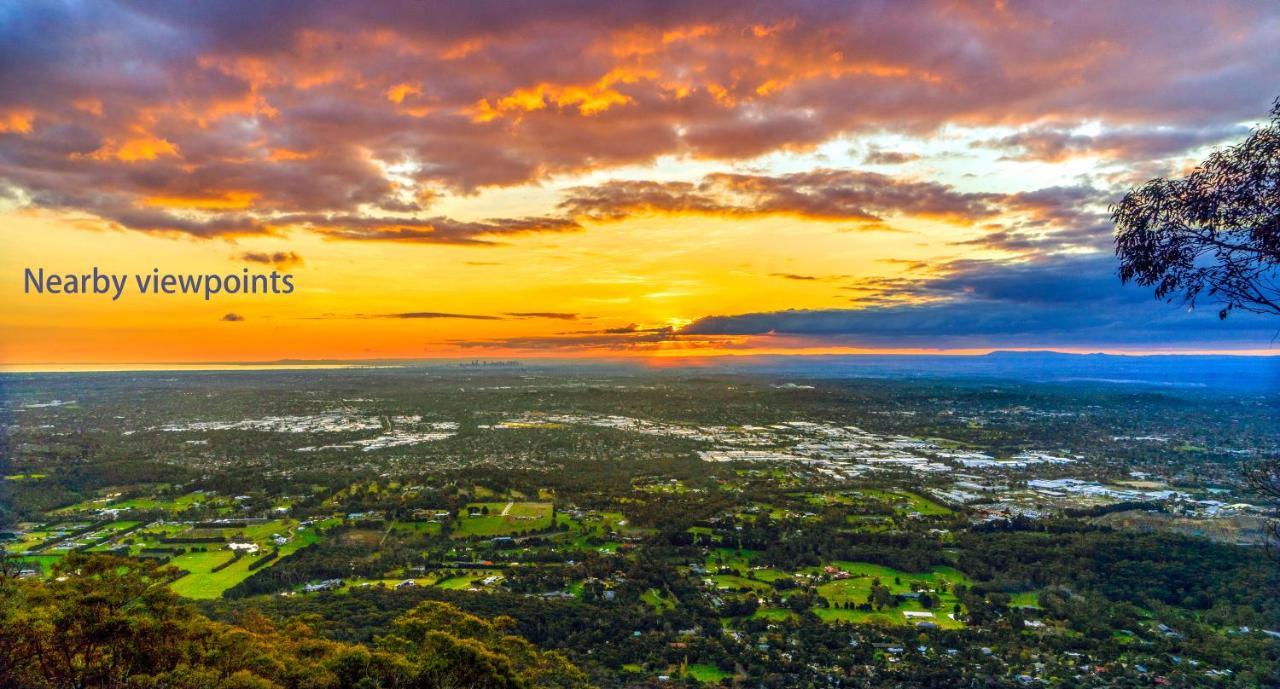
(661, 528)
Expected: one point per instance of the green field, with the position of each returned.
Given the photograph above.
(462, 582)
(107, 531)
(44, 562)
(773, 614)
(658, 600)
(202, 582)
(1027, 599)
(172, 505)
(827, 499)
(856, 589)
(389, 583)
(707, 673)
(27, 541)
(908, 502)
(177, 504)
(734, 583)
(741, 561)
(520, 516)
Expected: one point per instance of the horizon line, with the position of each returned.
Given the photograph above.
(652, 360)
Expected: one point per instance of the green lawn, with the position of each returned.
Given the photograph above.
(27, 541)
(730, 557)
(926, 506)
(773, 614)
(84, 506)
(44, 562)
(741, 561)
(462, 582)
(908, 502)
(261, 530)
(859, 616)
(704, 672)
(1027, 599)
(856, 589)
(827, 499)
(173, 505)
(108, 531)
(140, 504)
(202, 582)
(734, 583)
(657, 600)
(616, 521)
(520, 516)
(389, 583)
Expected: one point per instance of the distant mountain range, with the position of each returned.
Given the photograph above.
(1192, 372)
(1237, 373)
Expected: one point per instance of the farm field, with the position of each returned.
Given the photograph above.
(503, 518)
(908, 501)
(203, 582)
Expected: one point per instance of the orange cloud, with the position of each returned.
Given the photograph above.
(284, 154)
(227, 200)
(17, 121)
(589, 99)
(462, 49)
(213, 102)
(397, 93)
(135, 149)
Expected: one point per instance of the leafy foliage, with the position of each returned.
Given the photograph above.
(111, 622)
(1215, 233)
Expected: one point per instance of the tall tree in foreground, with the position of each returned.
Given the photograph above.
(1215, 235)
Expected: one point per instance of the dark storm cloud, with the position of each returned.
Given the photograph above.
(1059, 302)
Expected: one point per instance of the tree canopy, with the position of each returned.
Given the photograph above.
(1214, 233)
(105, 621)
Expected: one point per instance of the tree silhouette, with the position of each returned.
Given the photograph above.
(1214, 233)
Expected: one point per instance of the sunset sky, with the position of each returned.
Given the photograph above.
(508, 180)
